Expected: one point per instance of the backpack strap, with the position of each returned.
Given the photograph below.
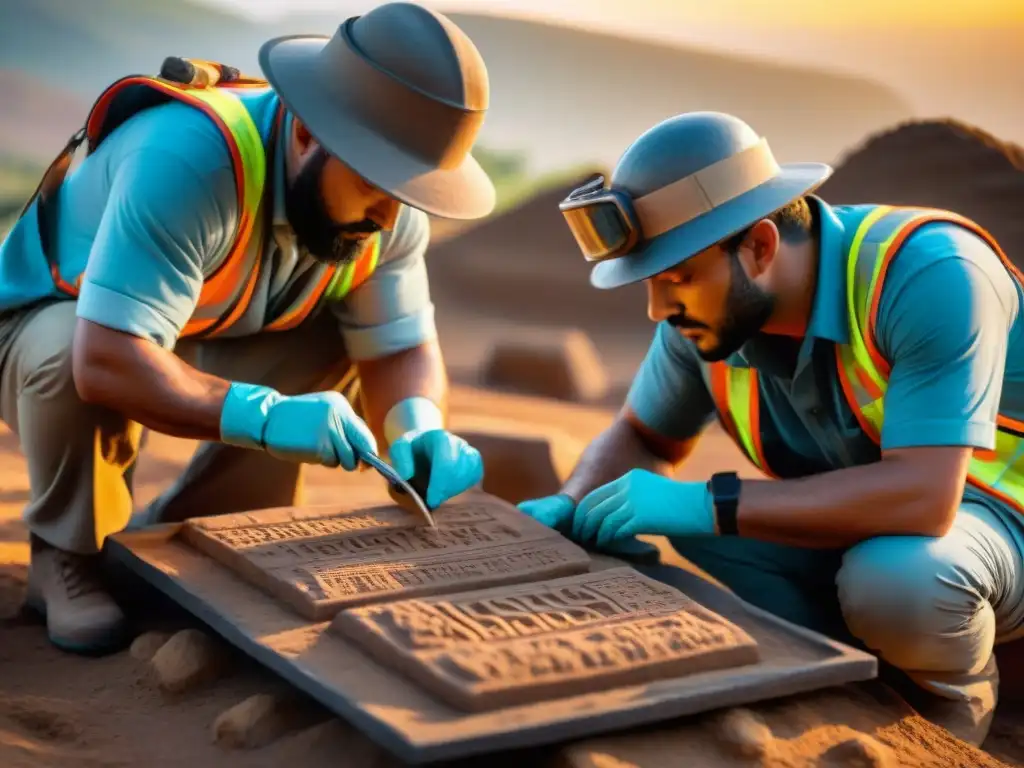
(197, 73)
(193, 73)
(46, 192)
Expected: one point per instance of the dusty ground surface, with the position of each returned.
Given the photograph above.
(61, 710)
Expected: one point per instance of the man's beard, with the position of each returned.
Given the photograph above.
(315, 231)
(747, 309)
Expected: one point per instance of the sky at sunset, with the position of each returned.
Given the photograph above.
(960, 58)
(834, 13)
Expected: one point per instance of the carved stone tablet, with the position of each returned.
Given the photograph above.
(320, 560)
(520, 644)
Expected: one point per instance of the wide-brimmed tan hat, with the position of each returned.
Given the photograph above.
(398, 95)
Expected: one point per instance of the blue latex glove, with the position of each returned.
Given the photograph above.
(451, 464)
(319, 428)
(558, 511)
(642, 502)
(553, 511)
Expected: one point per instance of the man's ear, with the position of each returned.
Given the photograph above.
(761, 245)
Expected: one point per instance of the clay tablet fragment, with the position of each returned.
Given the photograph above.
(521, 644)
(320, 560)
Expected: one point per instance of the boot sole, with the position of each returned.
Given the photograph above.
(112, 643)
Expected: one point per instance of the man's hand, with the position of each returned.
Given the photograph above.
(319, 428)
(553, 511)
(451, 464)
(642, 502)
(557, 512)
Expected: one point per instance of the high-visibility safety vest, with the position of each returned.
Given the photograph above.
(863, 371)
(228, 290)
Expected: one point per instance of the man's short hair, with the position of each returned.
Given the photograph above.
(795, 223)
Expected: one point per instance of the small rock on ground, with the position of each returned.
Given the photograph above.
(188, 659)
(261, 719)
(744, 733)
(145, 646)
(338, 743)
(862, 751)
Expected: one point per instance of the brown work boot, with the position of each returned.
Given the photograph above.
(65, 588)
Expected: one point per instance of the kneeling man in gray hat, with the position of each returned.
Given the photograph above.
(275, 231)
(867, 359)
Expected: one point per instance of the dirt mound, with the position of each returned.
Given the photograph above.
(944, 164)
(856, 725)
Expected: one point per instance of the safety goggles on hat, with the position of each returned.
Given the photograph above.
(601, 219)
(608, 223)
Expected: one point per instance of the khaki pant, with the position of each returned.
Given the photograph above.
(933, 607)
(80, 457)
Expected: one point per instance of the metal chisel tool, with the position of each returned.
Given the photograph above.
(399, 485)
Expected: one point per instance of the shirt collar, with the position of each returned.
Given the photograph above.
(280, 152)
(828, 312)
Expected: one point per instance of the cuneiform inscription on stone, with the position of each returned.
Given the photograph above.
(322, 582)
(359, 546)
(524, 643)
(320, 561)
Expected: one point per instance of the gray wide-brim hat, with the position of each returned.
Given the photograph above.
(724, 177)
(397, 95)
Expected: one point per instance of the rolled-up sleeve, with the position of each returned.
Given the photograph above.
(392, 311)
(668, 393)
(944, 320)
(169, 214)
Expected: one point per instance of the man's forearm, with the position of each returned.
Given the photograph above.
(146, 384)
(610, 455)
(840, 508)
(386, 381)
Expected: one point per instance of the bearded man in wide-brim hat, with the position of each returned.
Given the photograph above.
(274, 230)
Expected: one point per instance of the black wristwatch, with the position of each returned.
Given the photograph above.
(725, 492)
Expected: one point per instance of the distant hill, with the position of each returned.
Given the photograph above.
(566, 96)
(944, 164)
(590, 94)
(38, 118)
(522, 269)
(82, 45)
(524, 264)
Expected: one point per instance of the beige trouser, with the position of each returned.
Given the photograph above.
(80, 457)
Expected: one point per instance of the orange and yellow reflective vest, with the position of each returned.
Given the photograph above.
(862, 369)
(228, 290)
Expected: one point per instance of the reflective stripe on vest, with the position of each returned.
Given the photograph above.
(228, 290)
(739, 408)
(863, 370)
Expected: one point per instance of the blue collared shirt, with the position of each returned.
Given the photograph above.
(949, 322)
(151, 211)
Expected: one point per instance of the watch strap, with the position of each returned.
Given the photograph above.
(724, 488)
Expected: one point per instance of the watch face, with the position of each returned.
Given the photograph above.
(725, 485)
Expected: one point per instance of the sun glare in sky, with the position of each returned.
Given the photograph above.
(952, 13)
(826, 13)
